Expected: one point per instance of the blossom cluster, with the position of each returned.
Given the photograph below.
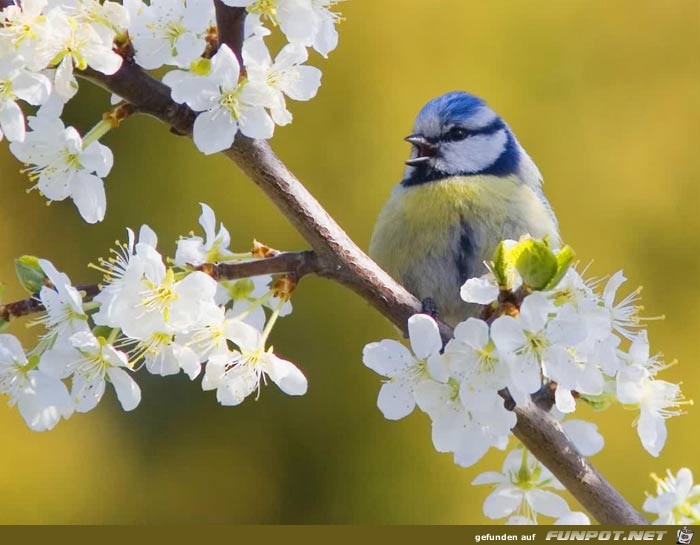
(45, 44)
(166, 318)
(544, 331)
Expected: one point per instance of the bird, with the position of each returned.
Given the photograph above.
(467, 185)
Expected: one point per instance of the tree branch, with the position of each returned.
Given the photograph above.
(298, 264)
(344, 262)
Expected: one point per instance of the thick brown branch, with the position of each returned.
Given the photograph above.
(230, 23)
(298, 264)
(344, 262)
(148, 94)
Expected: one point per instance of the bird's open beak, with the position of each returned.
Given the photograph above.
(426, 149)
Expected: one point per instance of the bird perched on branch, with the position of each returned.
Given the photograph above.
(468, 185)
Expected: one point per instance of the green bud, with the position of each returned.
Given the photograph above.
(565, 258)
(101, 331)
(240, 289)
(29, 273)
(599, 402)
(535, 261)
(32, 362)
(500, 266)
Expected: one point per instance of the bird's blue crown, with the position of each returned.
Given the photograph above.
(453, 107)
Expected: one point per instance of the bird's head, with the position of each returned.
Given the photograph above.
(459, 134)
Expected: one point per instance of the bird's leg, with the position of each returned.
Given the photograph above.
(430, 308)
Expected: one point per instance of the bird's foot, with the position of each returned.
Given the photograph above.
(430, 308)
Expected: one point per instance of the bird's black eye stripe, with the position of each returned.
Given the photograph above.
(455, 134)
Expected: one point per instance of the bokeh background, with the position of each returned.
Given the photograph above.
(606, 98)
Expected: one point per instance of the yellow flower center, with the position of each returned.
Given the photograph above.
(266, 9)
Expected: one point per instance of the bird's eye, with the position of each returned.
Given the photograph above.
(456, 134)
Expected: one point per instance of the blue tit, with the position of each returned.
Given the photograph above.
(468, 185)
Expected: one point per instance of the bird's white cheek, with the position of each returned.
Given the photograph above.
(474, 154)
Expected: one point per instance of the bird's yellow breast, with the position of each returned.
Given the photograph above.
(419, 223)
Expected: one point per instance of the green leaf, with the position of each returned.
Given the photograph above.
(535, 261)
(29, 273)
(565, 258)
(4, 324)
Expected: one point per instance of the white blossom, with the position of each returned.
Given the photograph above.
(533, 341)
(521, 490)
(403, 368)
(41, 399)
(677, 499)
(63, 167)
(239, 373)
(70, 43)
(227, 105)
(18, 83)
(624, 314)
(308, 22)
(170, 32)
(63, 303)
(89, 361)
(474, 362)
(657, 400)
(195, 250)
(23, 26)
(286, 76)
(466, 429)
(147, 298)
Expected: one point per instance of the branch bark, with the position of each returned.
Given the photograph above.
(232, 20)
(343, 261)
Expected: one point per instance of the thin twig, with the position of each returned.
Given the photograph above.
(345, 263)
(298, 264)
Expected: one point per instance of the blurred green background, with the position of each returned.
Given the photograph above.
(606, 98)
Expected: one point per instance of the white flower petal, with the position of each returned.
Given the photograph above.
(214, 131)
(395, 400)
(286, 375)
(12, 121)
(488, 477)
(584, 436)
(128, 392)
(564, 400)
(574, 518)
(387, 357)
(481, 291)
(88, 193)
(424, 335)
(502, 502)
(548, 503)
